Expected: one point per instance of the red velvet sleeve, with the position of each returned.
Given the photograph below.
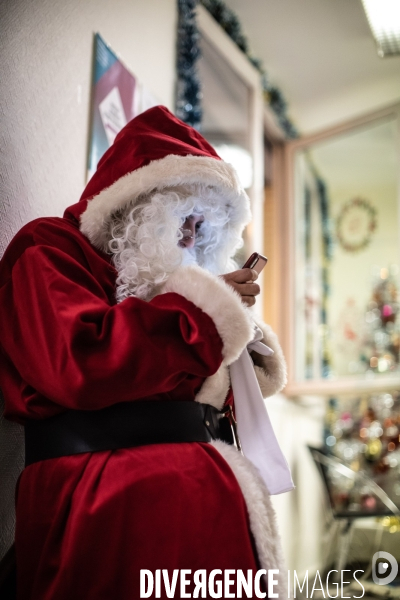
(68, 343)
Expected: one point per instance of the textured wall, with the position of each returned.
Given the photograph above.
(46, 58)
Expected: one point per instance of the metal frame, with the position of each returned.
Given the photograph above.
(340, 385)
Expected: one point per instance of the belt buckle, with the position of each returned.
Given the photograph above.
(227, 412)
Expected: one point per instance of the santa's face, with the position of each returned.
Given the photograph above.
(190, 229)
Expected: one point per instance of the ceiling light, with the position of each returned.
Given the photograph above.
(384, 19)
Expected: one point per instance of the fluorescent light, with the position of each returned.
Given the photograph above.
(384, 19)
(240, 159)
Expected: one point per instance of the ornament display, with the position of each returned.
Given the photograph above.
(356, 224)
(362, 435)
(381, 344)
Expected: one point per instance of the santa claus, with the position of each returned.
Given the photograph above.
(119, 324)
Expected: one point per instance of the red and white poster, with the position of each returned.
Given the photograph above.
(117, 97)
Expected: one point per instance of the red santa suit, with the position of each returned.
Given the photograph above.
(88, 523)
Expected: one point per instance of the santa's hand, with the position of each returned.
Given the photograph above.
(242, 281)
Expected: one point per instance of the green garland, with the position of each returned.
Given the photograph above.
(188, 93)
(327, 252)
(230, 23)
(188, 102)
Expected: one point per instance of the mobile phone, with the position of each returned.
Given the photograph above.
(256, 261)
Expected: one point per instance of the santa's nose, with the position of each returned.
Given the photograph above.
(189, 233)
(189, 230)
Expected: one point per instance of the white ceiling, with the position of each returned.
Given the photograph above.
(322, 56)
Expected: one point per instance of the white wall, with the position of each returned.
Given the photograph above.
(46, 75)
(46, 61)
(300, 513)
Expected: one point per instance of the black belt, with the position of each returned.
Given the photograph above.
(126, 425)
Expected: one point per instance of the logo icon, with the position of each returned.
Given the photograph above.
(383, 568)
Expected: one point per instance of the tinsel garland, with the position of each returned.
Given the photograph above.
(327, 250)
(189, 90)
(188, 94)
(273, 96)
(326, 258)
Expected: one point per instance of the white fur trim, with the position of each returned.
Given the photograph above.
(220, 302)
(170, 171)
(261, 513)
(215, 388)
(270, 370)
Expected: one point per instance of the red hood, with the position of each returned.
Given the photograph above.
(153, 152)
(152, 135)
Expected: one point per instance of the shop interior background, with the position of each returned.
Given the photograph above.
(321, 56)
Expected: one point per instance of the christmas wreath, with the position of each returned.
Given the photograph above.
(356, 224)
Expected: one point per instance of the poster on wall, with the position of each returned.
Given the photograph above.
(117, 97)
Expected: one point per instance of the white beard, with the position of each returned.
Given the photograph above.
(144, 240)
(188, 257)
